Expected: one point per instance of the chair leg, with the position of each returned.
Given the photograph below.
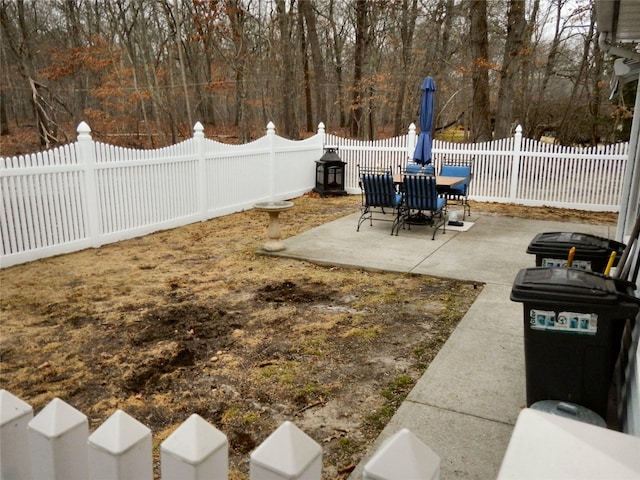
(436, 225)
(398, 222)
(363, 217)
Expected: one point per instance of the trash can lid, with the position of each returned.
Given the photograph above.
(587, 246)
(569, 285)
(570, 410)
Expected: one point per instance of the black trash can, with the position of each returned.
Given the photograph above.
(592, 252)
(573, 323)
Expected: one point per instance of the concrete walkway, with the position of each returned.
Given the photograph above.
(466, 404)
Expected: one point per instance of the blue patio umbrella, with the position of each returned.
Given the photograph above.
(422, 153)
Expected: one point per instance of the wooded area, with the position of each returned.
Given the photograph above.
(142, 72)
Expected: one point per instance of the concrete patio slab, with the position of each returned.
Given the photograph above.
(466, 404)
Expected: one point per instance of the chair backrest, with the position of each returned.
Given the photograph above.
(420, 192)
(457, 171)
(379, 190)
(414, 169)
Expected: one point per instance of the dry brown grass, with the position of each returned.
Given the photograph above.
(192, 320)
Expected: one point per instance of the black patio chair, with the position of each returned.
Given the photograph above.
(459, 193)
(379, 197)
(421, 204)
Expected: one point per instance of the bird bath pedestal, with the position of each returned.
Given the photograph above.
(273, 209)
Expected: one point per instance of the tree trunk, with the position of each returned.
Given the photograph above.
(407, 26)
(481, 122)
(510, 69)
(567, 131)
(338, 48)
(4, 121)
(236, 16)
(310, 127)
(21, 45)
(287, 85)
(318, 76)
(532, 130)
(355, 122)
(183, 72)
(524, 94)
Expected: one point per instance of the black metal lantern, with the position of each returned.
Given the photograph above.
(330, 174)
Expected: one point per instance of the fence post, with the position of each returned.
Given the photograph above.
(195, 450)
(411, 141)
(515, 164)
(198, 138)
(271, 133)
(87, 153)
(15, 415)
(403, 455)
(58, 442)
(121, 449)
(288, 453)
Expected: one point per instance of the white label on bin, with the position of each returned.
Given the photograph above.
(562, 263)
(568, 322)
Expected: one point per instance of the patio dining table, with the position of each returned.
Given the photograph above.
(443, 183)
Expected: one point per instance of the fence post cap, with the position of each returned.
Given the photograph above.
(194, 440)
(84, 131)
(12, 407)
(198, 130)
(119, 433)
(57, 418)
(403, 455)
(519, 129)
(271, 128)
(288, 451)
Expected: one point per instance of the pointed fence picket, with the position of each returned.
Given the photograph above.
(60, 448)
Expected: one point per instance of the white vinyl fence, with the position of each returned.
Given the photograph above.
(56, 445)
(511, 170)
(87, 194)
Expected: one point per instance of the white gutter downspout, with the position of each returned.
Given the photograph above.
(631, 180)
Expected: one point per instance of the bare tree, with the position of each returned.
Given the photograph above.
(535, 126)
(523, 96)
(308, 110)
(318, 75)
(157, 66)
(362, 29)
(509, 72)
(18, 32)
(408, 15)
(237, 16)
(288, 80)
(338, 45)
(579, 122)
(481, 122)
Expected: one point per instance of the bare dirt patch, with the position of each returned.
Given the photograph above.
(193, 320)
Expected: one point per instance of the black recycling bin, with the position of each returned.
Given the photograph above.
(573, 323)
(592, 252)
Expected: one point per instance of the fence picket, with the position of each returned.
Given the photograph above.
(120, 449)
(58, 442)
(403, 455)
(15, 415)
(194, 451)
(287, 454)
